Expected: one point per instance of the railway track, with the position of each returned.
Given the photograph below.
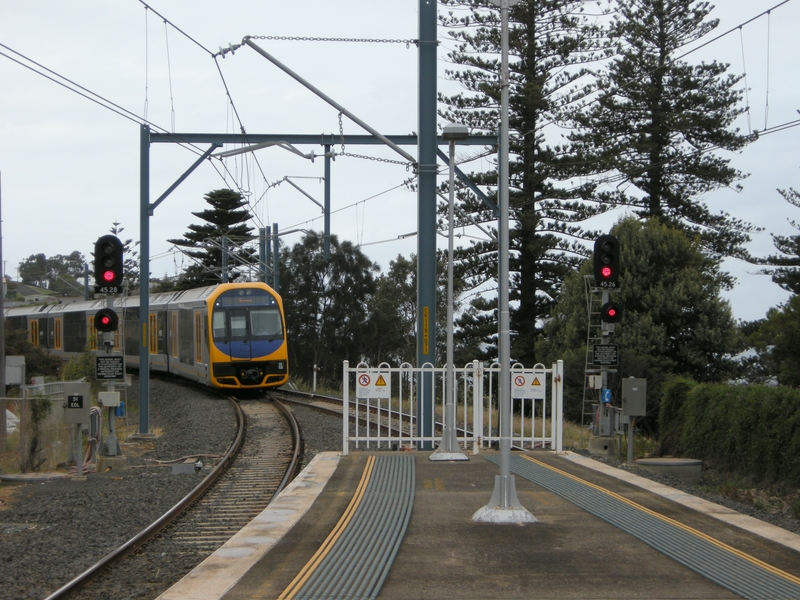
(263, 458)
(390, 420)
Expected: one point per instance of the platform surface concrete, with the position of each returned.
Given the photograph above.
(568, 553)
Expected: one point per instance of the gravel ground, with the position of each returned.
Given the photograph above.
(321, 433)
(50, 532)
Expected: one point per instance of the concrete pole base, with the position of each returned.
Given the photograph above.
(495, 512)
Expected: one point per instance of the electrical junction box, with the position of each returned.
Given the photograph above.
(595, 382)
(77, 401)
(108, 398)
(634, 397)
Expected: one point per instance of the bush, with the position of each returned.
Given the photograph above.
(82, 367)
(670, 415)
(752, 431)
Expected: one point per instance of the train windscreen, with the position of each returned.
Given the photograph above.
(246, 314)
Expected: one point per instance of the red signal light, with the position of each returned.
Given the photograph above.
(606, 272)
(106, 319)
(108, 275)
(610, 312)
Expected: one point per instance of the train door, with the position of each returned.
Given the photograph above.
(199, 342)
(201, 353)
(33, 332)
(173, 334)
(57, 333)
(232, 333)
(240, 335)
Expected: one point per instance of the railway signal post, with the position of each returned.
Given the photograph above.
(606, 271)
(109, 363)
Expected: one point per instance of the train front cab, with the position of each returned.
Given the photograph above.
(247, 345)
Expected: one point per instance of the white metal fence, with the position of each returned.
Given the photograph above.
(390, 398)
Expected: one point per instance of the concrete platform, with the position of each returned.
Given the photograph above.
(569, 553)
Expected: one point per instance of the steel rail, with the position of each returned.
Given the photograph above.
(158, 526)
(438, 425)
(297, 445)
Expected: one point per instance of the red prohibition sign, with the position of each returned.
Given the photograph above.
(519, 380)
(363, 380)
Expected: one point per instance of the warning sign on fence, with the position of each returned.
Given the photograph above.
(373, 384)
(528, 384)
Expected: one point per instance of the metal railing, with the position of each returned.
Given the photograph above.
(389, 399)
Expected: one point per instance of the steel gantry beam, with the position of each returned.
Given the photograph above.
(216, 140)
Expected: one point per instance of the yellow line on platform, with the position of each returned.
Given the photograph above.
(695, 532)
(334, 535)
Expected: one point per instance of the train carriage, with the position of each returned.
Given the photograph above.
(227, 335)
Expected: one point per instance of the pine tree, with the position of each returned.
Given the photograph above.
(225, 219)
(657, 121)
(549, 41)
(674, 321)
(785, 266)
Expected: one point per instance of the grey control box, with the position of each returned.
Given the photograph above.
(634, 397)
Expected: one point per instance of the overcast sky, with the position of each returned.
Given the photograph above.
(70, 168)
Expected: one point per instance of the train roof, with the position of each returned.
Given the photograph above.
(196, 296)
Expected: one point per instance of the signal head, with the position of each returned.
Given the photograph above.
(606, 262)
(106, 319)
(108, 264)
(610, 312)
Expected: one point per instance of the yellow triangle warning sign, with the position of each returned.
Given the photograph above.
(381, 380)
(536, 381)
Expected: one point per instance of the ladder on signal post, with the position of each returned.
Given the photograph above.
(594, 335)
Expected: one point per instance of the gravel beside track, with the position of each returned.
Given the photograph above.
(51, 532)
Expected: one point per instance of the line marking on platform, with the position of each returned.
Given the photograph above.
(691, 530)
(726, 566)
(333, 536)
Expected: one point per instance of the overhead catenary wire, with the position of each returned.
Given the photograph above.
(167, 22)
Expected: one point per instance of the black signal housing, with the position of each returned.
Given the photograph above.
(606, 262)
(108, 265)
(106, 320)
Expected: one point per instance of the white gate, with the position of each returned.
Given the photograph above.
(388, 397)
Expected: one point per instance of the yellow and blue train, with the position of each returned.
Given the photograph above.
(231, 335)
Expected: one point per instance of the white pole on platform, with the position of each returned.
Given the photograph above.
(504, 506)
(448, 448)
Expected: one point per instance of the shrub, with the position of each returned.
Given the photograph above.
(752, 431)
